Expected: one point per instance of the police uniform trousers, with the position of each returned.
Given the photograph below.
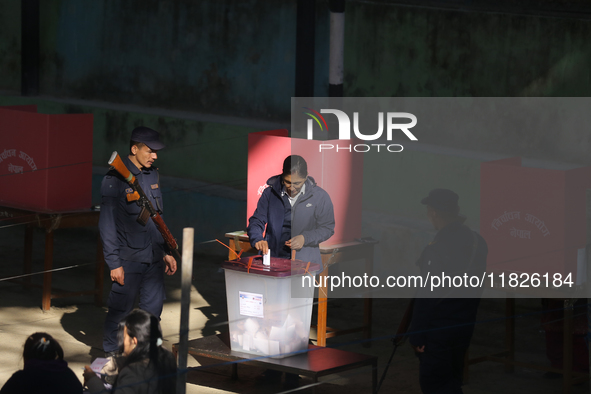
(144, 279)
(442, 367)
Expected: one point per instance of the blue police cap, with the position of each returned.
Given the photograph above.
(147, 136)
(443, 200)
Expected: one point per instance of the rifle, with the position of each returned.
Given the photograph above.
(399, 338)
(404, 324)
(142, 200)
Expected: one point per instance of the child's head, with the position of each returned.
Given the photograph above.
(140, 334)
(42, 346)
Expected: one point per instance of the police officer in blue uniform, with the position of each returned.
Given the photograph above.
(135, 253)
(443, 321)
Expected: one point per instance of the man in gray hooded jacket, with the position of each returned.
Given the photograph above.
(298, 214)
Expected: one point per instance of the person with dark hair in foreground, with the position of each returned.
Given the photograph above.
(147, 367)
(443, 322)
(45, 370)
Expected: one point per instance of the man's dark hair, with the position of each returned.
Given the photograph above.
(295, 164)
(136, 143)
(42, 346)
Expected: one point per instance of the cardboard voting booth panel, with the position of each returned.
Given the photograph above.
(533, 219)
(45, 160)
(266, 152)
(339, 173)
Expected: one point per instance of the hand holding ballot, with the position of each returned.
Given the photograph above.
(262, 246)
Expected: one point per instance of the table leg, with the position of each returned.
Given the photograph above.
(99, 273)
(510, 333)
(232, 245)
(322, 309)
(374, 376)
(28, 258)
(368, 305)
(47, 266)
(567, 347)
(367, 316)
(466, 376)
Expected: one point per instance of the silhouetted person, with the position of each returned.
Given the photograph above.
(442, 326)
(45, 370)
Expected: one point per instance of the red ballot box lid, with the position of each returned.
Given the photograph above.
(279, 268)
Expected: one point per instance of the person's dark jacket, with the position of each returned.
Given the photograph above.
(439, 316)
(312, 216)
(124, 239)
(43, 377)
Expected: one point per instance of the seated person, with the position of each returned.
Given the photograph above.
(146, 366)
(45, 370)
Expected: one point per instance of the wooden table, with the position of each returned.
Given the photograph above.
(330, 255)
(316, 362)
(507, 356)
(51, 222)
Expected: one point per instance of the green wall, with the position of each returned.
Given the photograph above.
(394, 50)
(10, 45)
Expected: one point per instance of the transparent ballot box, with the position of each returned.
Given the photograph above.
(270, 307)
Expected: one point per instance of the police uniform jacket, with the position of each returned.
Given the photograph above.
(124, 239)
(439, 316)
(312, 216)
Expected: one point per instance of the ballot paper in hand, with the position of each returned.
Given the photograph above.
(267, 258)
(97, 366)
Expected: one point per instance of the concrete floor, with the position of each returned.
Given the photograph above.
(77, 324)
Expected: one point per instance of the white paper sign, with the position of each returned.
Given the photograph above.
(251, 304)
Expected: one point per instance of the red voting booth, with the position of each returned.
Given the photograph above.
(533, 219)
(339, 173)
(45, 160)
